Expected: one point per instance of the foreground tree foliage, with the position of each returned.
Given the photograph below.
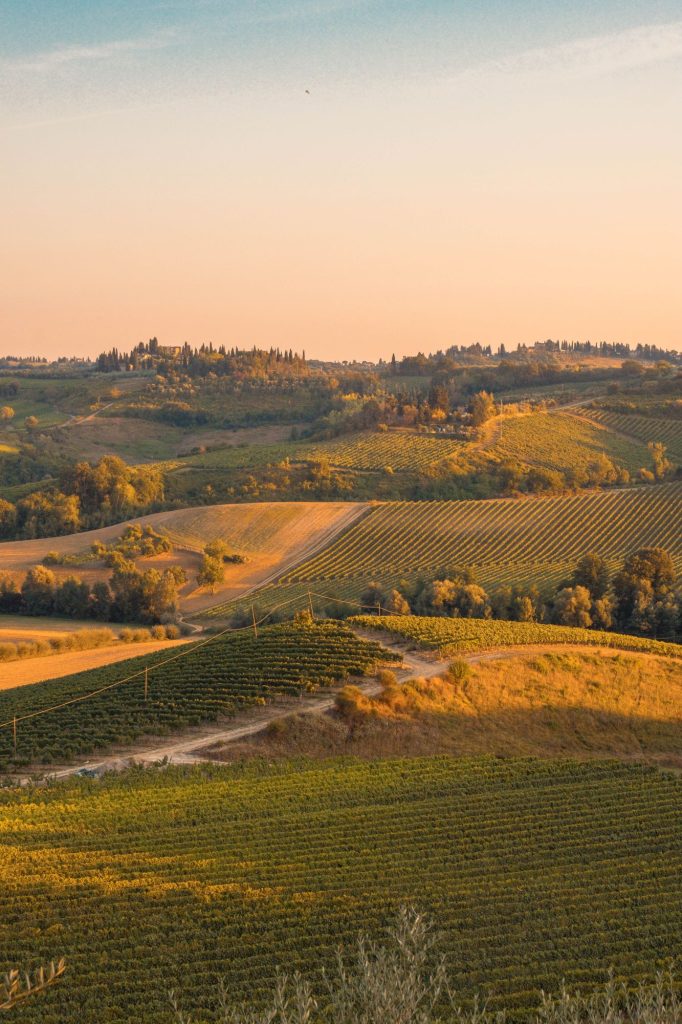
(16, 987)
(405, 981)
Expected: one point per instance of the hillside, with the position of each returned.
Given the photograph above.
(544, 702)
(532, 871)
(270, 536)
(211, 680)
(562, 441)
(642, 427)
(502, 541)
(453, 636)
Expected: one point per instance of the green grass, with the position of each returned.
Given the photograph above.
(53, 399)
(533, 871)
(453, 636)
(200, 684)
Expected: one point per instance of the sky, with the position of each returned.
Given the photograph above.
(355, 178)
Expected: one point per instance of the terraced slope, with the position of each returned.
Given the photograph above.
(533, 871)
(502, 540)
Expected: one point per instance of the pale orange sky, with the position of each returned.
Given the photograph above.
(535, 195)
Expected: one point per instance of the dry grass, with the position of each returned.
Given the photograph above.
(271, 535)
(597, 704)
(38, 670)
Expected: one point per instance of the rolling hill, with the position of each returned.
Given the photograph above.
(269, 535)
(502, 541)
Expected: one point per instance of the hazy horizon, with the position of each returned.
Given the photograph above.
(355, 178)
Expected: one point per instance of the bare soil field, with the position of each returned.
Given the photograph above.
(54, 666)
(271, 536)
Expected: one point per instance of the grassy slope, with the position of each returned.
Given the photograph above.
(567, 702)
(269, 535)
(533, 872)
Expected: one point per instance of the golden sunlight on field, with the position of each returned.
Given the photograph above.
(37, 670)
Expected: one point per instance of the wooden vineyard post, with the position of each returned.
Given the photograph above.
(14, 734)
(310, 606)
(146, 683)
(255, 625)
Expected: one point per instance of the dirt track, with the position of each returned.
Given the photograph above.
(186, 748)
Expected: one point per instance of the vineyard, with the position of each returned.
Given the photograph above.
(533, 871)
(212, 680)
(453, 636)
(562, 442)
(645, 428)
(375, 451)
(503, 540)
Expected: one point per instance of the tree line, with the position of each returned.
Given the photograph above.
(644, 596)
(87, 496)
(130, 595)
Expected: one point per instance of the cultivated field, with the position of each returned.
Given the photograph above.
(561, 441)
(454, 636)
(269, 535)
(645, 428)
(503, 540)
(38, 670)
(533, 872)
(398, 449)
(206, 682)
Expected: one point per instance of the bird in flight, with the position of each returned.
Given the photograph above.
(307, 92)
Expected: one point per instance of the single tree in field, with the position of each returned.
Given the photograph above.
(482, 408)
(31, 422)
(217, 549)
(212, 573)
(6, 413)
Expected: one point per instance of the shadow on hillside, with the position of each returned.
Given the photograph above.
(543, 732)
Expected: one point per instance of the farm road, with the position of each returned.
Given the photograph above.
(187, 748)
